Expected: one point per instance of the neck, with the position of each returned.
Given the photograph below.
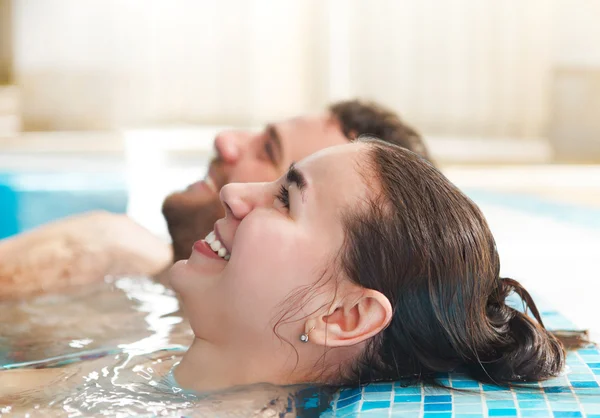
(207, 367)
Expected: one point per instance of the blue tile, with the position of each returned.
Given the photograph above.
(468, 409)
(347, 411)
(557, 381)
(376, 396)
(561, 396)
(588, 399)
(493, 388)
(567, 414)
(437, 415)
(465, 384)
(374, 413)
(407, 398)
(579, 377)
(506, 412)
(530, 395)
(378, 387)
(585, 351)
(564, 406)
(495, 404)
(435, 391)
(348, 393)
(438, 407)
(375, 405)
(348, 401)
(557, 389)
(585, 384)
(406, 407)
(587, 391)
(499, 396)
(468, 415)
(592, 408)
(406, 390)
(536, 413)
(594, 365)
(533, 404)
(438, 398)
(467, 399)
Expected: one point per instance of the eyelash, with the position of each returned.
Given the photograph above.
(284, 196)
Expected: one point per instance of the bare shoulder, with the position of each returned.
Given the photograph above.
(77, 250)
(77, 224)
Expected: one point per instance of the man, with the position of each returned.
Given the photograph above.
(244, 157)
(88, 247)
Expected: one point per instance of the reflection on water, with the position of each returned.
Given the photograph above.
(105, 350)
(104, 316)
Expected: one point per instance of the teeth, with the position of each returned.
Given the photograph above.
(210, 238)
(215, 245)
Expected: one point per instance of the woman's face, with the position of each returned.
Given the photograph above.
(279, 238)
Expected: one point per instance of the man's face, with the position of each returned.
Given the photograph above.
(244, 157)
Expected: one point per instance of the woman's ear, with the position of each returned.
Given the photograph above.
(358, 316)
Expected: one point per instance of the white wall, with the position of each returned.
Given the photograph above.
(107, 63)
(577, 34)
(453, 67)
(574, 117)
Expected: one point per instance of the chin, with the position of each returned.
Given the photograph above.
(178, 275)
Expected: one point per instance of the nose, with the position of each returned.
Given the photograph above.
(239, 199)
(228, 145)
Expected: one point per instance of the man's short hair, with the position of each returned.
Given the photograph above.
(367, 118)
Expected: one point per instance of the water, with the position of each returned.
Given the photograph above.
(28, 200)
(104, 350)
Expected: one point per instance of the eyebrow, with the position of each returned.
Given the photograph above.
(295, 176)
(275, 138)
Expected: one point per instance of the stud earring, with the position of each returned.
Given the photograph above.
(304, 337)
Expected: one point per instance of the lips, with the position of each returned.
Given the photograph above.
(203, 248)
(212, 246)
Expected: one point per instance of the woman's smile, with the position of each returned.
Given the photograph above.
(205, 249)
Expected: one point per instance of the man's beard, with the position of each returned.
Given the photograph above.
(189, 219)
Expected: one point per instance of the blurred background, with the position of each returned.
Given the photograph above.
(526, 73)
(113, 103)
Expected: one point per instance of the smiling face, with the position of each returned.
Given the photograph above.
(282, 237)
(244, 156)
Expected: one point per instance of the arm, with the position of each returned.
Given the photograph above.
(78, 250)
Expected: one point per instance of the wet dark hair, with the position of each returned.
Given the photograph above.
(427, 247)
(358, 118)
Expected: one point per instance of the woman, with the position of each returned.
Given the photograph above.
(362, 264)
